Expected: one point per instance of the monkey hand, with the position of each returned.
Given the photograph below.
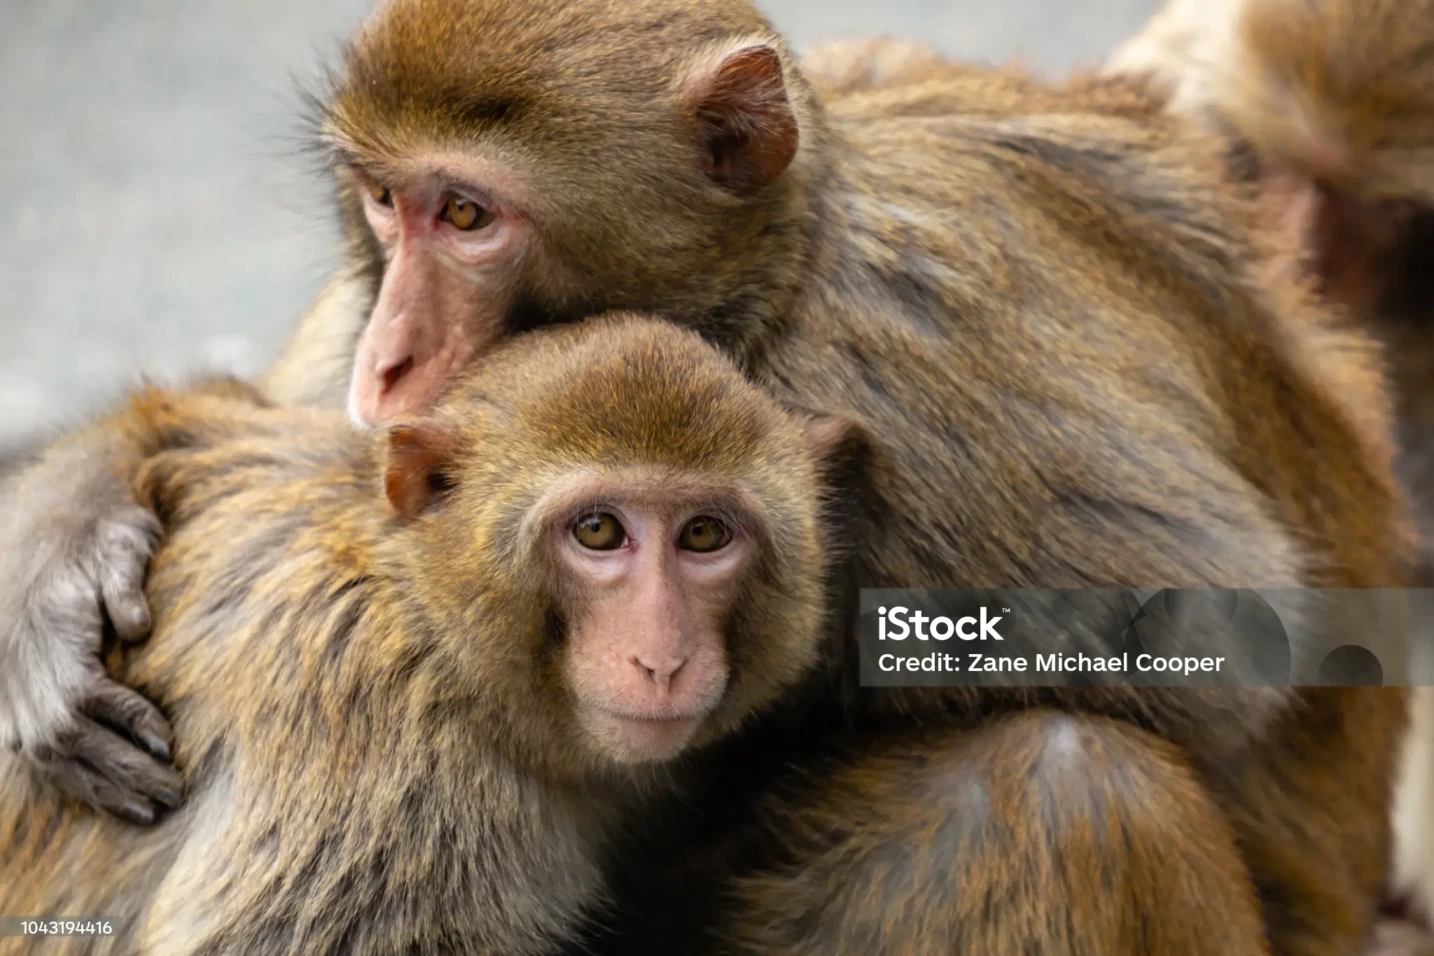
(74, 548)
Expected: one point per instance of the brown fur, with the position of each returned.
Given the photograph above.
(1036, 298)
(883, 77)
(837, 68)
(1330, 110)
(1341, 96)
(1059, 793)
(378, 746)
(1043, 302)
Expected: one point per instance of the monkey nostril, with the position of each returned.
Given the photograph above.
(646, 671)
(395, 373)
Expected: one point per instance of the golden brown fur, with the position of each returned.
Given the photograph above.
(1053, 791)
(1329, 107)
(838, 68)
(1046, 303)
(378, 748)
(1047, 306)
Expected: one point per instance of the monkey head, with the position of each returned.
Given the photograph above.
(506, 165)
(617, 537)
(1332, 104)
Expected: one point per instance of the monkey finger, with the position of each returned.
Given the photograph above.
(123, 549)
(87, 785)
(134, 777)
(129, 612)
(129, 712)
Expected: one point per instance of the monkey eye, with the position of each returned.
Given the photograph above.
(378, 192)
(703, 534)
(599, 531)
(464, 214)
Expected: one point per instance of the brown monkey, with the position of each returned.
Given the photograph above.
(1036, 299)
(416, 690)
(1330, 109)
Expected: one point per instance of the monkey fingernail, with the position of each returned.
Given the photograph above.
(171, 798)
(155, 745)
(132, 620)
(139, 617)
(136, 811)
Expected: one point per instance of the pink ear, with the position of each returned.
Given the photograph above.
(747, 131)
(1344, 240)
(420, 467)
(837, 445)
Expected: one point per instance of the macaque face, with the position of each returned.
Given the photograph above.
(451, 247)
(512, 178)
(650, 581)
(615, 539)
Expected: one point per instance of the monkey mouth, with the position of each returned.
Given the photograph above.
(641, 737)
(654, 715)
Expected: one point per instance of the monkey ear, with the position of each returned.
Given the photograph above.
(420, 467)
(839, 446)
(746, 129)
(1342, 239)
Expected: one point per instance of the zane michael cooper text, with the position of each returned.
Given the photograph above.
(901, 623)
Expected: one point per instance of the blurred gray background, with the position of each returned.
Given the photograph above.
(158, 215)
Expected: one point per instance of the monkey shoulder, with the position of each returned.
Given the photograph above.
(1037, 304)
(266, 553)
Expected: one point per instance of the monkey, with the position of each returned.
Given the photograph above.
(1040, 301)
(1328, 107)
(1328, 110)
(421, 676)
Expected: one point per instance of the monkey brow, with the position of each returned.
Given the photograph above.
(484, 111)
(732, 504)
(452, 111)
(344, 151)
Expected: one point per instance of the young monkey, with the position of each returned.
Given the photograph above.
(417, 679)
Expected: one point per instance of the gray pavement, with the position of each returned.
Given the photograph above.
(158, 216)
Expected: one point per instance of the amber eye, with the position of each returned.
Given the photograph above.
(704, 533)
(465, 214)
(599, 531)
(378, 192)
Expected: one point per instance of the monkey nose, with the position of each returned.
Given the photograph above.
(658, 671)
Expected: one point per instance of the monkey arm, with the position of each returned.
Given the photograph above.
(74, 554)
(157, 420)
(76, 545)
